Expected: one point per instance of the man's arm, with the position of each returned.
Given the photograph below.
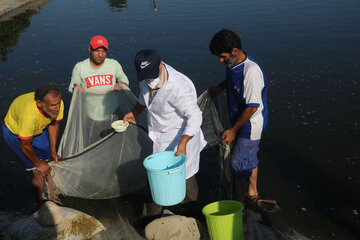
(185, 104)
(53, 136)
(131, 116)
(215, 91)
(181, 148)
(230, 134)
(28, 150)
(253, 85)
(121, 78)
(75, 78)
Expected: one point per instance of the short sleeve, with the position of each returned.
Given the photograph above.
(253, 85)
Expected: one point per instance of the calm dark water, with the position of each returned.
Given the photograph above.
(310, 155)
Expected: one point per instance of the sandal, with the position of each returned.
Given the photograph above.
(269, 206)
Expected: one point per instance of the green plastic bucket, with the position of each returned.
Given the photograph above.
(224, 220)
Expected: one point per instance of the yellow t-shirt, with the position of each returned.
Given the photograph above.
(25, 119)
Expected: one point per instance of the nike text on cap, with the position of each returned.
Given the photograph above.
(99, 41)
(147, 63)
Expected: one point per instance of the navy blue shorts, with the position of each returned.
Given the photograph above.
(244, 157)
(40, 144)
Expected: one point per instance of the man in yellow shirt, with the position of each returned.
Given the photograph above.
(31, 129)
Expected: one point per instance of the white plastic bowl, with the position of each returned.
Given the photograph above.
(119, 125)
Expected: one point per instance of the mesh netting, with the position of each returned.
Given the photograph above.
(97, 162)
(215, 121)
(211, 125)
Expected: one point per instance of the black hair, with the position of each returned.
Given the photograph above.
(92, 49)
(46, 88)
(224, 41)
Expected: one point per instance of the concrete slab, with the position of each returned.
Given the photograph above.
(11, 8)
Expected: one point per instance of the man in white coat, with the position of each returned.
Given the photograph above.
(174, 118)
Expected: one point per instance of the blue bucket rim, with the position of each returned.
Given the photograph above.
(165, 170)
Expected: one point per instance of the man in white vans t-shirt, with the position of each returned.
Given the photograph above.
(98, 72)
(102, 75)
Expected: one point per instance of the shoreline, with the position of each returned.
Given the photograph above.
(12, 8)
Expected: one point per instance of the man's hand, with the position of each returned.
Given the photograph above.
(245, 116)
(181, 148)
(43, 167)
(55, 156)
(214, 91)
(78, 88)
(118, 87)
(228, 136)
(129, 117)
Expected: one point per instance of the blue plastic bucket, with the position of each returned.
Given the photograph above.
(167, 177)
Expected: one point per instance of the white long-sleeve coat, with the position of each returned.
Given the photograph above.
(173, 113)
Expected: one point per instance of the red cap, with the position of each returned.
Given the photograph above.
(99, 41)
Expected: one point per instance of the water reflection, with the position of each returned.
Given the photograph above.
(11, 30)
(14, 23)
(121, 5)
(153, 3)
(117, 5)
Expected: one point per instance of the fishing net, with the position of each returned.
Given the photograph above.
(215, 121)
(97, 162)
(211, 125)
